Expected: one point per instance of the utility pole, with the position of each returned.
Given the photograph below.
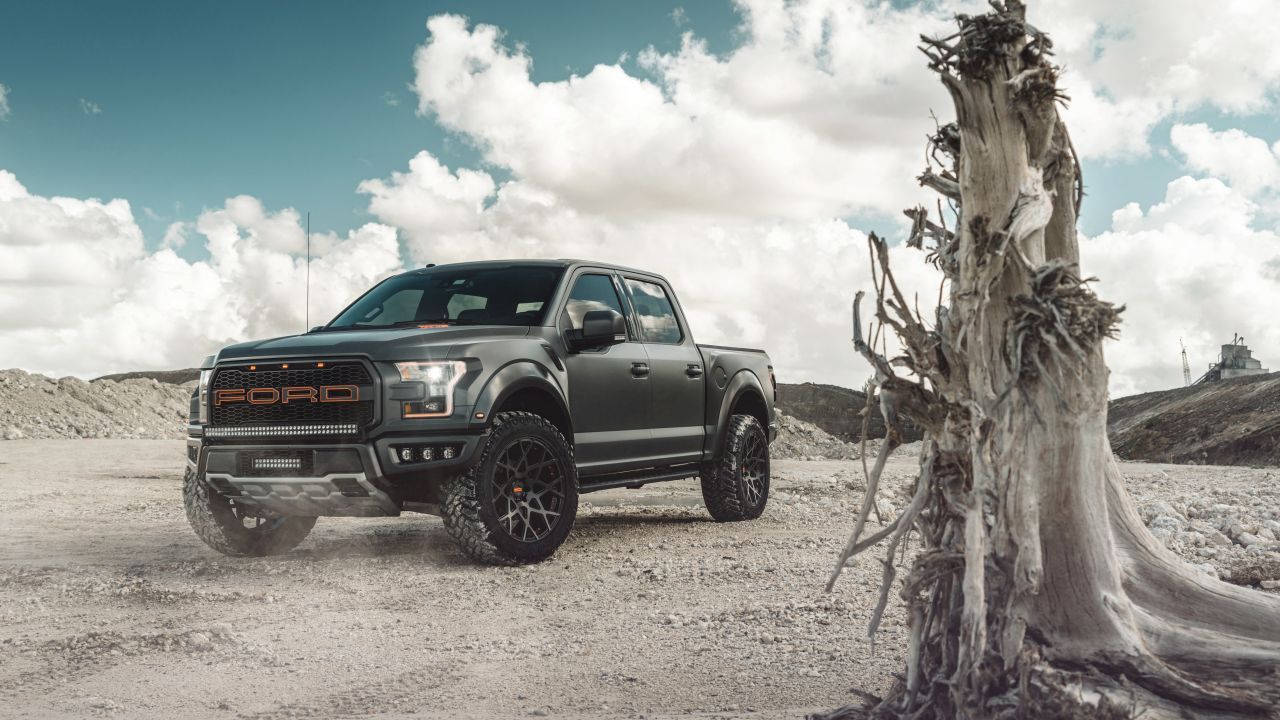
(307, 313)
(1186, 367)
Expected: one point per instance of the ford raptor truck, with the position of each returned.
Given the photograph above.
(492, 394)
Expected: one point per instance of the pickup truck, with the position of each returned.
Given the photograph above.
(490, 393)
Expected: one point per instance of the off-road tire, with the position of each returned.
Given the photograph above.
(467, 498)
(216, 523)
(724, 483)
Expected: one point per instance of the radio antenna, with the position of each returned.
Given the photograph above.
(307, 313)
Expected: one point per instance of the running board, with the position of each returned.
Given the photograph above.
(637, 479)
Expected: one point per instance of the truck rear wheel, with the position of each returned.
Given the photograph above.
(735, 486)
(517, 501)
(236, 530)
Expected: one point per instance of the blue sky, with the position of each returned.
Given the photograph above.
(285, 101)
(742, 148)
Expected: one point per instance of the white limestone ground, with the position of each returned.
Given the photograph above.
(110, 607)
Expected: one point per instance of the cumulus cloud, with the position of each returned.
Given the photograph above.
(1194, 266)
(1131, 64)
(89, 107)
(81, 294)
(1245, 162)
(815, 114)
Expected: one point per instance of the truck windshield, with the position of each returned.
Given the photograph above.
(511, 295)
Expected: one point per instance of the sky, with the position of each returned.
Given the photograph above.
(157, 162)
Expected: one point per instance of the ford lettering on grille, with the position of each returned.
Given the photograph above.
(286, 395)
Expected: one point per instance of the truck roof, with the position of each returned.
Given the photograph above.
(542, 262)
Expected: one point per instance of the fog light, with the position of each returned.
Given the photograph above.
(406, 454)
(449, 452)
(428, 453)
(433, 407)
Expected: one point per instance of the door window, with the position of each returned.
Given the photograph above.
(657, 315)
(591, 292)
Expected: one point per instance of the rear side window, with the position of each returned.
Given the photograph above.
(591, 292)
(657, 316)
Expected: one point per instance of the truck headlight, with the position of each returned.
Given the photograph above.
(439, 377)
(202, 413)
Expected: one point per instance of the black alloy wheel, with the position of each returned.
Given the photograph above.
(517, 499)
(528, 490)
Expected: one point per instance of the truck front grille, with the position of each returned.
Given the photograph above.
(273, 399)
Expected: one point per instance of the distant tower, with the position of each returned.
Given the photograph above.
(1186, 367)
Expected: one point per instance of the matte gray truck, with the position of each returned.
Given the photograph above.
(489, 393)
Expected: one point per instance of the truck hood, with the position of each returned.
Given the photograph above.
(389, 345)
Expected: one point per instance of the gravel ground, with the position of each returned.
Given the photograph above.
(110, 607)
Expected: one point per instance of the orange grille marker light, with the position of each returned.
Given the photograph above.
(253, 367)
(285, 366)
(319, 364)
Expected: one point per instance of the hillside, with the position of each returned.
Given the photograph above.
(1231, 422)
(834, 409)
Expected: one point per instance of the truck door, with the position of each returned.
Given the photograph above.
(608, 387)
(676, 405)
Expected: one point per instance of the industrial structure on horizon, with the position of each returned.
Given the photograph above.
(1236, 360)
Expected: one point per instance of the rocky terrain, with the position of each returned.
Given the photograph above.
(836, 409)
(1231, 422)
(110, 607)
(35, 406)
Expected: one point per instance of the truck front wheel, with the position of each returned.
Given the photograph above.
(735, 486)
(516, 503)
(239, 530)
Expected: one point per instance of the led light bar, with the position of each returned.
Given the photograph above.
(268, 430)
(277, 463)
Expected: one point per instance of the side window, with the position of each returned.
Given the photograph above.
(658, 322)
(591, 292)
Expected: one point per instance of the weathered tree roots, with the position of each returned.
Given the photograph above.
(1037, 592)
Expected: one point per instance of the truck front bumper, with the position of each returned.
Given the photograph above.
(340, 479)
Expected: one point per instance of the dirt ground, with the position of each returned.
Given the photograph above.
(110, 606)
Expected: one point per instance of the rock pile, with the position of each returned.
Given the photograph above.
(799, 440)
(1235, 541)
(35, 406)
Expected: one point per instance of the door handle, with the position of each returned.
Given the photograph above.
(693, 371)
(640, 370)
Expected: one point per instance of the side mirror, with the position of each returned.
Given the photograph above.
(600, 328)
(317, 328)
